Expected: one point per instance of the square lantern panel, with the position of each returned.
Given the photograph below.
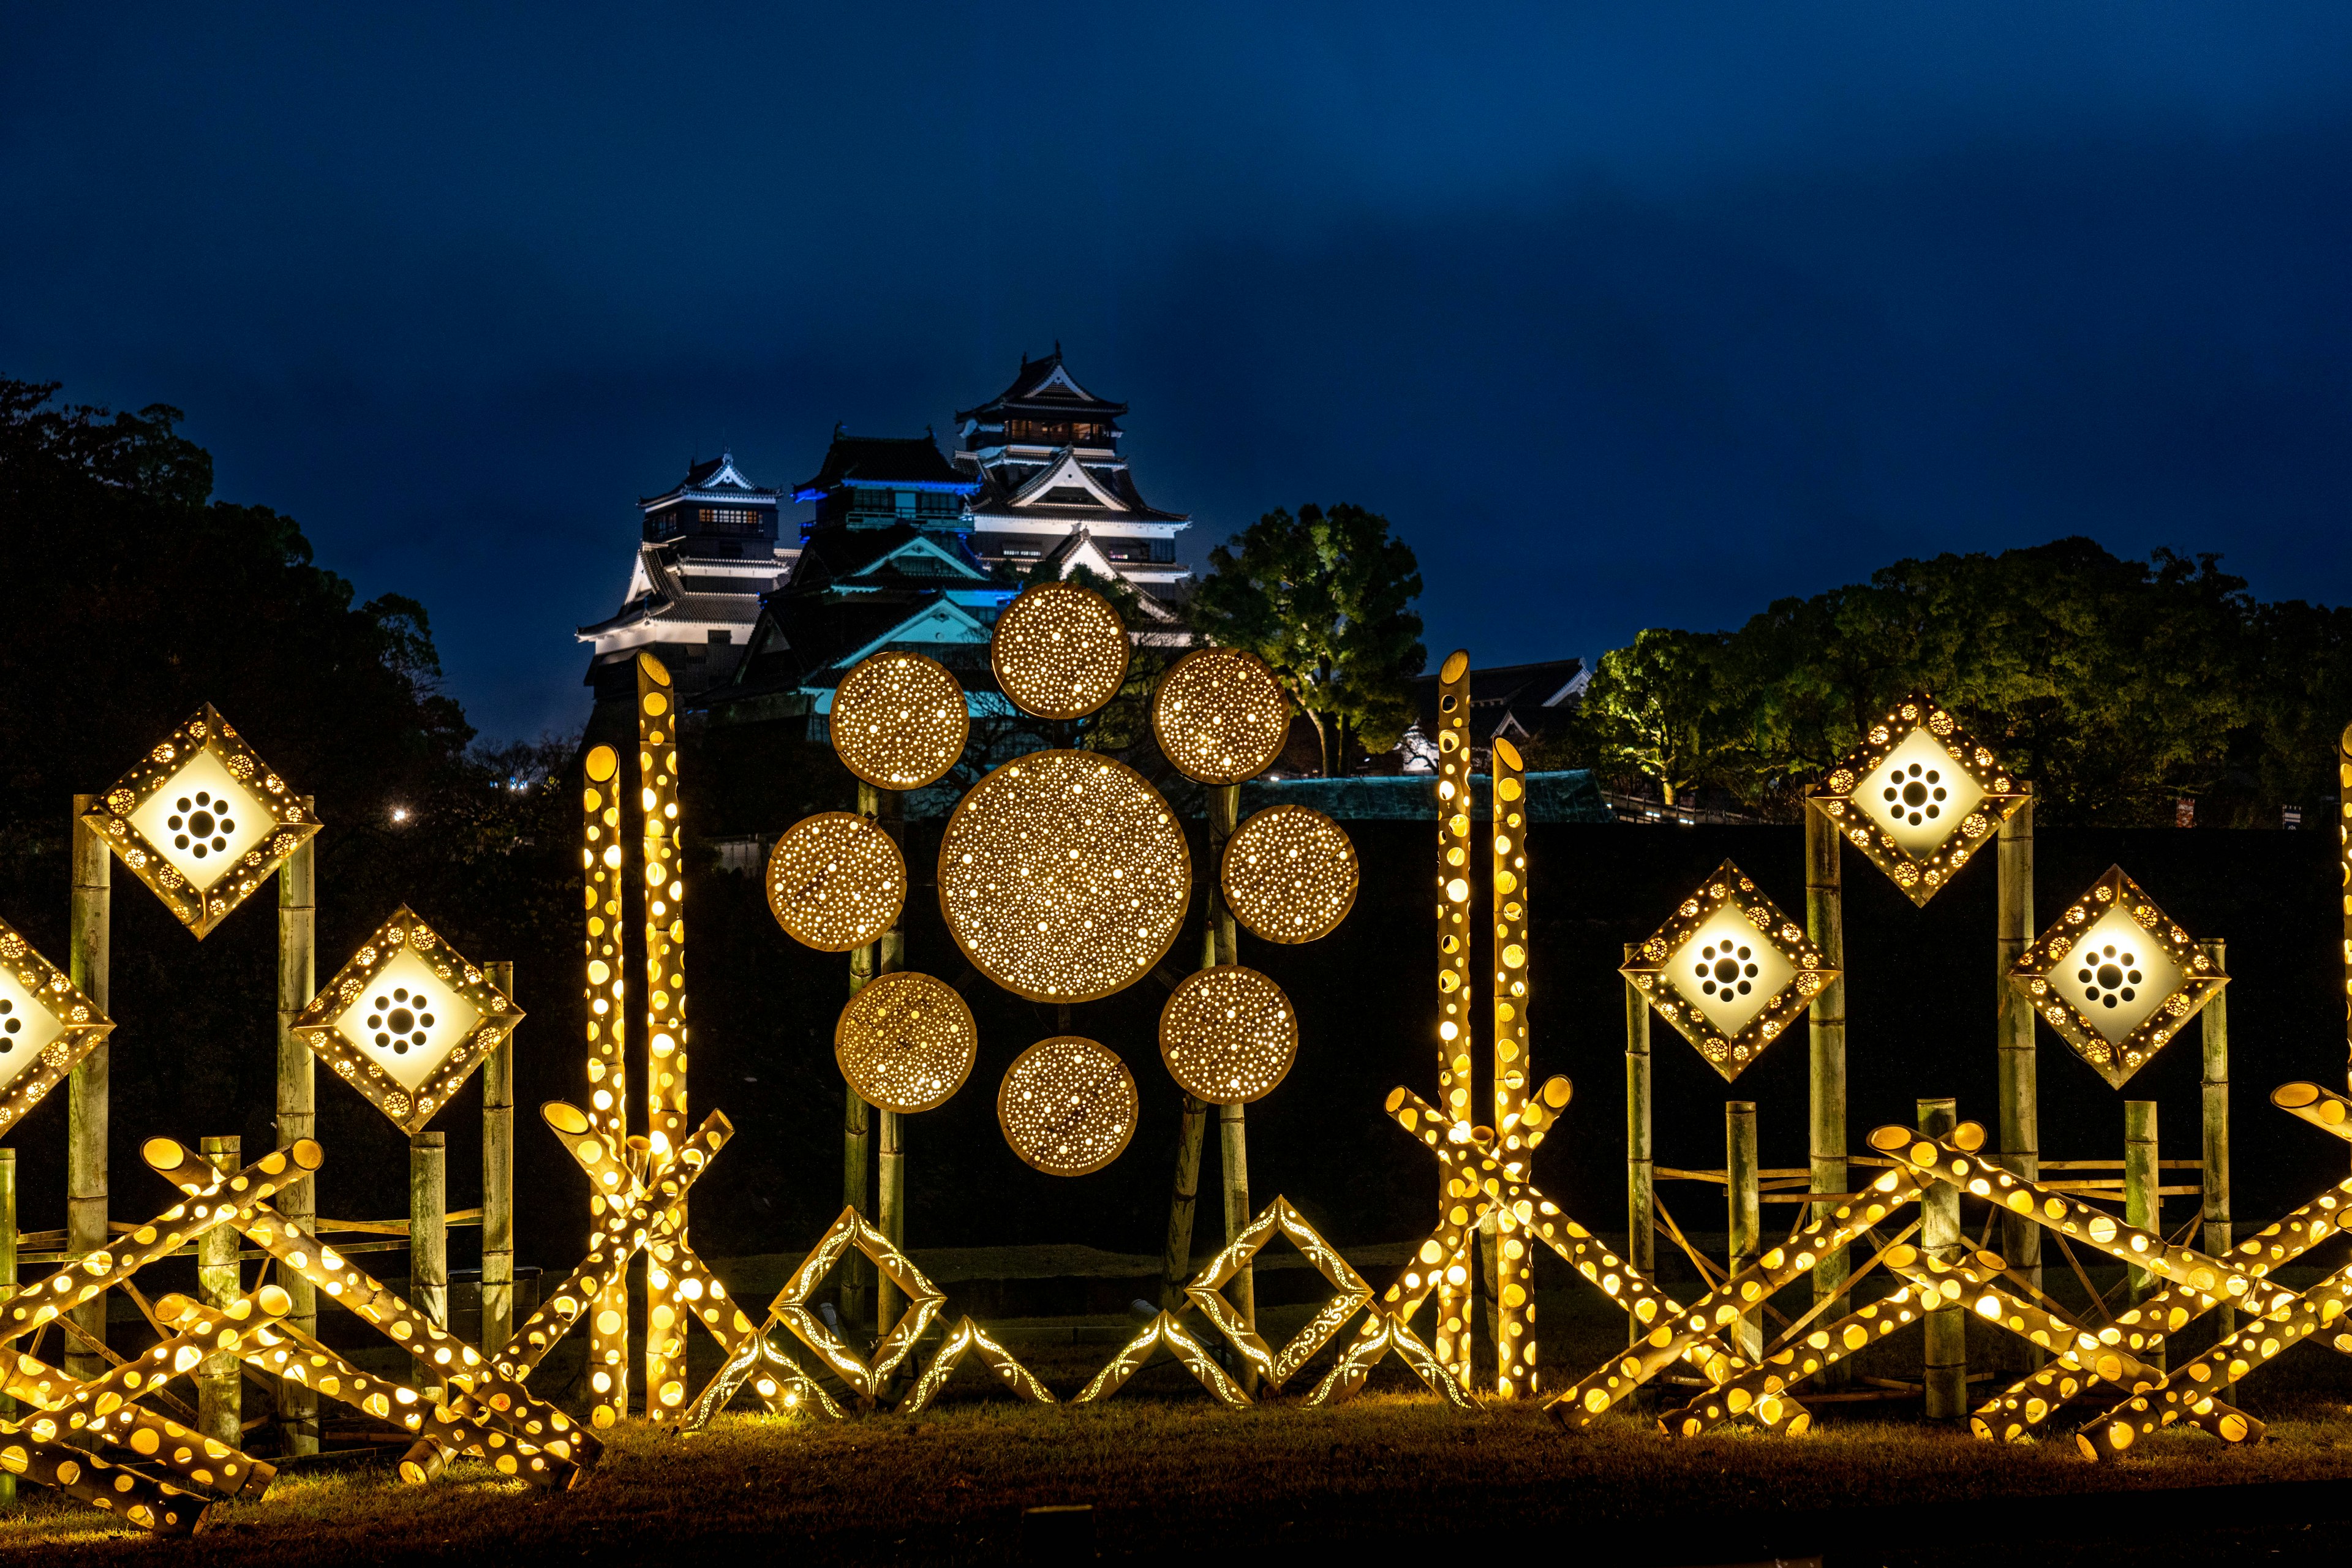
(1730, 970)
(202, 821)
(407, 1021)
(1920, 796)
(2115, 977)
(47, 1026)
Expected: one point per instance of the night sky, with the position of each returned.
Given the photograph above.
(1626, 315)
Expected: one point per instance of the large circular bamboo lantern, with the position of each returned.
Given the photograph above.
(898, 721)
(906, 1042)
(1067, 1106)
(1059, 651)
(1220, 716)
(835, 881)
(1290, 874)
(1228, 1034)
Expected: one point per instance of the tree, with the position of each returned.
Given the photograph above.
(1654, 707)
(1325, 598)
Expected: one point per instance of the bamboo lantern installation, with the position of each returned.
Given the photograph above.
(1454, 1296)
(2115, 977)
(667, 1033)
(898, 721)
(1515, 1280)
(1220, 716)
(1228, 1035)
(1059, 651)
(906, 1042)
(1729, 971)
(835, 881)
(1067, 1106)
(1290, 874)
(1919, 797)
(1206, 1291)
(2344, 855)
(867, 1378)
(603, 856)
(47, 1026)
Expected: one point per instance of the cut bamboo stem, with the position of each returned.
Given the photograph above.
(2020, 1156)
(1825, 926)
(220, 1408)
(2142, 1207)
(8, 1291)
(497, 1180)
(1641, 1191)
(1176, 1257)
(890, 1149)
(1456, 1304)
(1510, 1291)
(1222, 946)
(298, 1117)
(2344, 851)
(857, 1274)
(428, 1238)
(2219, 1235)
(89, 952)
(1944, 1368)
(1744, 1216)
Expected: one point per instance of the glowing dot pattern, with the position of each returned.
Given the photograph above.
(906, 1042)
(47, 1026)
(601, 858)
(1228, 1034)
(835, 881)
(1290, 874)
(898, 721)
(1064, 876)
(1451, 1338)
(1067, 1106)
(1220, 716)
(1059, 651)
(1920, 796)
(662, 856)
(2116, 977)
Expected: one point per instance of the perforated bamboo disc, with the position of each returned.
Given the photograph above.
(1290, 874)
(1067, 1105)
(1059, 651)
(1228, 1034)
(835, 881)
(905, 1042)
(898, 721)
(1220, 716)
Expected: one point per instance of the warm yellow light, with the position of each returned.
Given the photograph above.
(1290, 874)
(1920, 796)
(835, 881)
(1729, 971)
(2115, 977)
(1059, 651)
(1207, 1292)
(1228, 1034)
(1067, 1106)
(906, 1042)
(47, 1026)
(866, 1377)
(898, 721)
(1220, 716)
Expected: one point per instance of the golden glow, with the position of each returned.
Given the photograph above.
(1064, 876)
(1290, 874)
(1164, 1330)
(1067, 1106)
(603, 857)
(1228, 1034)
(667, 1035)
(1059, 651)
(1207, 1293)
(906, 1042)
(898, 721)
(47, 1026)
(1920, 797)
(1515, 1132)
(2115, 977)
(967, 1338)
(406, 1021)
(868, 1377)
(201, 821)
(835, 881)
(1220, 716)
(1729, 971)
(1455, 993)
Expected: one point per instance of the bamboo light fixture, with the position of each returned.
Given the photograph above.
(1164, 1333)
(1067, 1106)
(406, 1021)
(1455, 1080)
(1729, 971)
(662, 864)
(1207, 1292)
(602, 855)
(906, 1042)
(866, 1377)
(1514, 1284)
(1920, 797)
(968, 1338)
(835, 881)
(1220, 716)
(898, 721)
(2344, 855)
(1290, 874)
(1059, 651)
(1064, 876)
(2115, 977)
(202, 821)
(1228, 1034)
(46, 1024)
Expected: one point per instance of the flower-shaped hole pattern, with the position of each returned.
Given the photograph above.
(1228, 1034)
(1220, 716)
(1059, 651)
(836, 881)
(1290, 874)
(906, 1042)
(1067, 1105)
(898, 721)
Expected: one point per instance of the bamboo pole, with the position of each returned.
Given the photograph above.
(1944, 1369)
(1455, 1306)
(1233, 1132)
(602, 842)
(220, 1401)
(298, 925)
(662, 865)
(857, 1274)
(2219, 1235)
(891, 1196)
(497, 1180)
(2344, 852)
(7, 1292)
(1641, 1199)
(1825, 926)
(2020, 1149)
(89, 954)
(1511, 1274)
(428, 1238)
(1744, 1212)
(1219, 944)
(2142, 1206)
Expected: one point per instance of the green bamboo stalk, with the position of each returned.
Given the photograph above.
(1825, 925)
(2219, 1235)
(428, 1239)
(890, 1147)
(2142, 1206)
(2020, 1156)
(298, 924)
(220, 1407)
(1945, 1369)
(1641, 1201)
(1744, 1211)
(8, 1291)
(858, 1297)
(88, 954)
(497, 1180)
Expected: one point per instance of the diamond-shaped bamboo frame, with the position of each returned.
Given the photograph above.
(206, 730)
(405, 931)
(2201, 980)
(866, 1379)
(1207, 1292)
(1731, 1053)
(1920, 878)
(84, 1025)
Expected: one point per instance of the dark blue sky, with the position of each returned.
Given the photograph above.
(1625, 314)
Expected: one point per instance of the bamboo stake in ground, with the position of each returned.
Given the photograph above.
(1219, 944)
(1744, 1213)
(1512, 1286)
(1641, 1199)
(891, 1161)
(428, 1239)
(1945, 1369)
(663, 865)
(2344, 851)
(857, 1275)
(2215, 1019)
(7, 1288)
(88, 954)
(2013, 1036)
(2142, 1207)
(497, 1181)
(298, 1116)
(1454, 1307)
(608, 1058)
(1825, 926)
(220, 1407)
(1233, 1132)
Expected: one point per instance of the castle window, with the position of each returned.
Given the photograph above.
(733, 520)
(933, 503)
